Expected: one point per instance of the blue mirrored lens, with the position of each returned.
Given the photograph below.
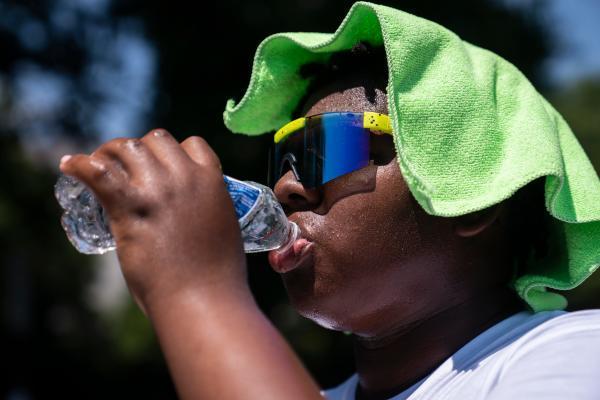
(330, 145)
(345, 144)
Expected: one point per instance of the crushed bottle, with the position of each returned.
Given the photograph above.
(263, 224)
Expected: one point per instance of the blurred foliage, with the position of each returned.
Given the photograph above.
(54, 344)
(579, 104)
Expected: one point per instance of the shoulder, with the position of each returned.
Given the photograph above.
(569, 327)
(558, 339)
(559, 358)
(583, 319)
(548, 355)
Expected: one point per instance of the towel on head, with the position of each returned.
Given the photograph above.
(469, 131)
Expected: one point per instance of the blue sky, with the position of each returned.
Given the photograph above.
(127, 60)
(574, 23)
(576, 26)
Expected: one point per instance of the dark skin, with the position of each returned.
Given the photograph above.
(411, 287)
(180, 251)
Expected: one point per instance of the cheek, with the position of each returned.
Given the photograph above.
(377, 228)
(365, 231)
(363, 258)
(374, 245)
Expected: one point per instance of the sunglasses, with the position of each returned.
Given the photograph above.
(323, 147)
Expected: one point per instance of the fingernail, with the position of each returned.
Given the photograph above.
(64, 159)
(159, 133)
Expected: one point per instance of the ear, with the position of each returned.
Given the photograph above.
(472, 224)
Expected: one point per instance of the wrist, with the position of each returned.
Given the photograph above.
(161, 282)
(200, 300)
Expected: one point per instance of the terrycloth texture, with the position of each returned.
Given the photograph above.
(469, 131)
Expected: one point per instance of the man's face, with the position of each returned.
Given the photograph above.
(378, 261)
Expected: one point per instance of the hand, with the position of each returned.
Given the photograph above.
(170, 214)
(180, 249)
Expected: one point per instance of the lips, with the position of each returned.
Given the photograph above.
(292, 257)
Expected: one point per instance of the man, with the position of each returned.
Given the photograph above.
(411, 250)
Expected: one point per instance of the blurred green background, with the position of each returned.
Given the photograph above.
(75, 73)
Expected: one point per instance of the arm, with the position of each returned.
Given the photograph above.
(226, 349)
(180, 250)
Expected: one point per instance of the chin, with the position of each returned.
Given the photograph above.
(343, 313)
(323, 314)
(309, 301)
(320, 298)
(323, 321)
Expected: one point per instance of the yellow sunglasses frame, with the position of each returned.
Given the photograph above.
(375, 122)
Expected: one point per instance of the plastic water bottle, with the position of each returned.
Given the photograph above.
(263, 223)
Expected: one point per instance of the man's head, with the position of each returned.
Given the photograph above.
(470, 131)
(379, 259)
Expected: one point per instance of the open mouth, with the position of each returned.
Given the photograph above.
(292, 257)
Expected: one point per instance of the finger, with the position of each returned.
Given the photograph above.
(97, 173)
(133, 155)
(166, 149)
(200, 152)
(104, 152)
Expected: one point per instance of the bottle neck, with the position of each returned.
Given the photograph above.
(292, 236)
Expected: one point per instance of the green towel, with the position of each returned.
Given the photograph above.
(469, 131)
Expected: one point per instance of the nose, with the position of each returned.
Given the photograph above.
(294, 196)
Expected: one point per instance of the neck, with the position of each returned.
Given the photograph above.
(388, 365)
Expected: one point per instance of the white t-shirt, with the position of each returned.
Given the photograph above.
(548, 355)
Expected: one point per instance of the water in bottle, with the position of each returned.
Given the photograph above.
(263, 223)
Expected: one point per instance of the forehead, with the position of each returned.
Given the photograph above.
(355, 94)
(353, 100)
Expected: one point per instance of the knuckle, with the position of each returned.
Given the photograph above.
(100, 171)
(195, 140)
(158, 132)
(118, 142)
(114, 142)
(109, 147)
(132, 144)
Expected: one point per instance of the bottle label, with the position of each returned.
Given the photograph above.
(244, 196)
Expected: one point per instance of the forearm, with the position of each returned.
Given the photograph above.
(221, 346)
